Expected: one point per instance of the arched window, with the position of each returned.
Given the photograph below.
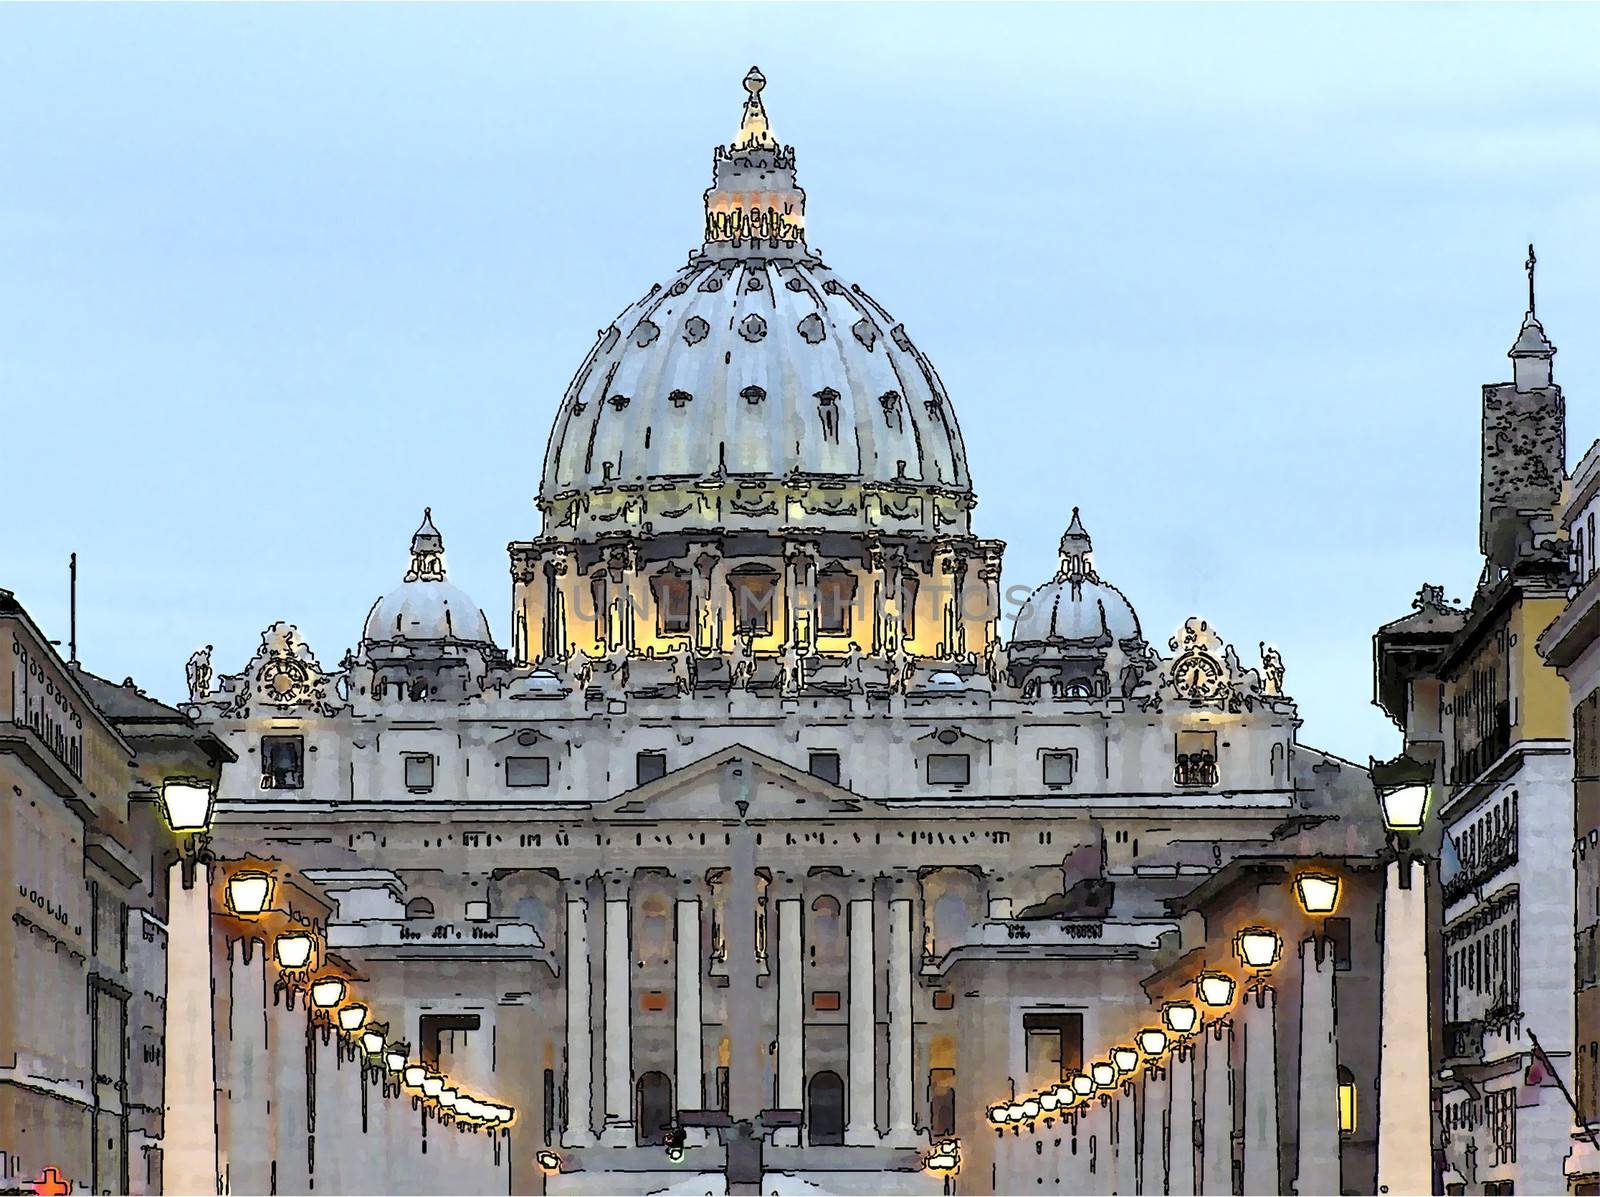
(419, 908)
(836, 596)
(1347, 1101)
(826, 940)
(655, 930)
(670, 589)
(655, 1111)
(754, 590)
(825, 1109)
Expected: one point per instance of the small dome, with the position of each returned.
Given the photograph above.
(425, 606)
(1076, 607)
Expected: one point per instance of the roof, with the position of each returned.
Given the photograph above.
(139, 717)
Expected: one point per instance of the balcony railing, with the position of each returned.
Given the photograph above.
(1491, 859)
(1467, 763)
(1195, 769)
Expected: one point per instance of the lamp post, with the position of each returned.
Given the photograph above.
(189, 1144)
(1405, 1064)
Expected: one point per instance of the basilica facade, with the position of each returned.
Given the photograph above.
(763, 806)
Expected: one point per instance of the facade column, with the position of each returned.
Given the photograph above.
(189, 1146)
(618, 1128)
(1216, 1126)
(690, 1081)
(1155, 1096)
(791, 1013)
(580, 1029)
(245, 1073)
(1182, 1124)
(1260, 1034)
(862, 1128)
(1097, 1121)
(1125, 1140)
(902, 1114)
(1317, 1169)
(1405, 1152)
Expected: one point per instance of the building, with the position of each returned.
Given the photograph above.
(1569, 644)
(81, 1011)
(1476, 701)
(769, 810)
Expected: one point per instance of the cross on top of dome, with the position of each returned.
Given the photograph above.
(754, 131)
(754, 207)
(427, 552)
(1075, 549)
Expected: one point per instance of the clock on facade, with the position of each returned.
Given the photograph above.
(1197, 675)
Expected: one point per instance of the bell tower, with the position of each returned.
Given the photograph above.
(1524, 447)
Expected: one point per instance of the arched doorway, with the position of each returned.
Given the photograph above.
(655, 1111)
(825, 1109)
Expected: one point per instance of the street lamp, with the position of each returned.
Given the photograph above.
(395, 1058)
(187, 805)
(1103, 1073)
(293, 949)
(1082, 1084)
(1152, 1041)
(1258, 947)
(1318, 892)
(249, 891)
(326, 993)
(1125, 1059)
(1180, 1017)
(352, 1016)
(372, 1042)
(432, 1085)
(1405, 810)
(414, 1075)
(1216, 989)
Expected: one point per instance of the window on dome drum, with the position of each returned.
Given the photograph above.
(282, 762)
(906, 608)
(836, 597)
(650, 765)
(754, 590)
(524, 772)
(825, 765)
(1194, 761)
(670, 589)
(949, 768)
(419, 772)
(1059, 768)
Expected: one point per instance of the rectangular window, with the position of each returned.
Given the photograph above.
(525, 771)
(477, 911)
(419, 772)
(282, 762)
(442, 1034)
(1338, 931)
(836, 595)
(949, 768)
(754, 590)
(671, 589)
(825, 999)
(1054, 1046)
(651, 765)
(1194, 761)
(825, 765)
(1059, 767)
(942, 1101)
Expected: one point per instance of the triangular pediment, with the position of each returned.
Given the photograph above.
(715, 786)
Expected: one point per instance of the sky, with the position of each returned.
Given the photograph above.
(1230, 279)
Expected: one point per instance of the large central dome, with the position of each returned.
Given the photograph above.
(756, 371)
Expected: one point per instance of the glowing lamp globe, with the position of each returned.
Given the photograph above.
(1406, 809)
(293, 949)
(248, 892)
(1103, 1073)
(999, 1115)
(447, 1098)
(413, 1075)
(372, 1043)
(1082, 1085)
(548, 1160)
(1180, 1017)
(327, 993)
(396, 1061)
(467, 1107)
(1318, 892)
(1216, 989)
(1030, 1108)
(186, 805)
(507, 1113)
(432, 1086)
(1125, 1058)
(1047, 1100)
(1014, 1111)
(352, 1016)
(1258, 947)
(1152, 1041)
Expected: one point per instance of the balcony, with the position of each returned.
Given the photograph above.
(1468, 762)
(1493, 858)
(1463, 1043)
(1197, 769)
(1045, 938)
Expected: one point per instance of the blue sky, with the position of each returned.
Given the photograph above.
(1229, 279)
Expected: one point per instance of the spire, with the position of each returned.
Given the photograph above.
(427, 552)
(754, 207)
(1075, 549)
(1531, 355)
(754, 132)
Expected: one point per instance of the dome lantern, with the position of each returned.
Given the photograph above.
(754, 206)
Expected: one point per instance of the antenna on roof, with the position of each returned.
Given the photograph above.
(72, 609)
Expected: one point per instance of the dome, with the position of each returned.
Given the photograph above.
(425, 606)
(1076, 607)
(755, 363)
